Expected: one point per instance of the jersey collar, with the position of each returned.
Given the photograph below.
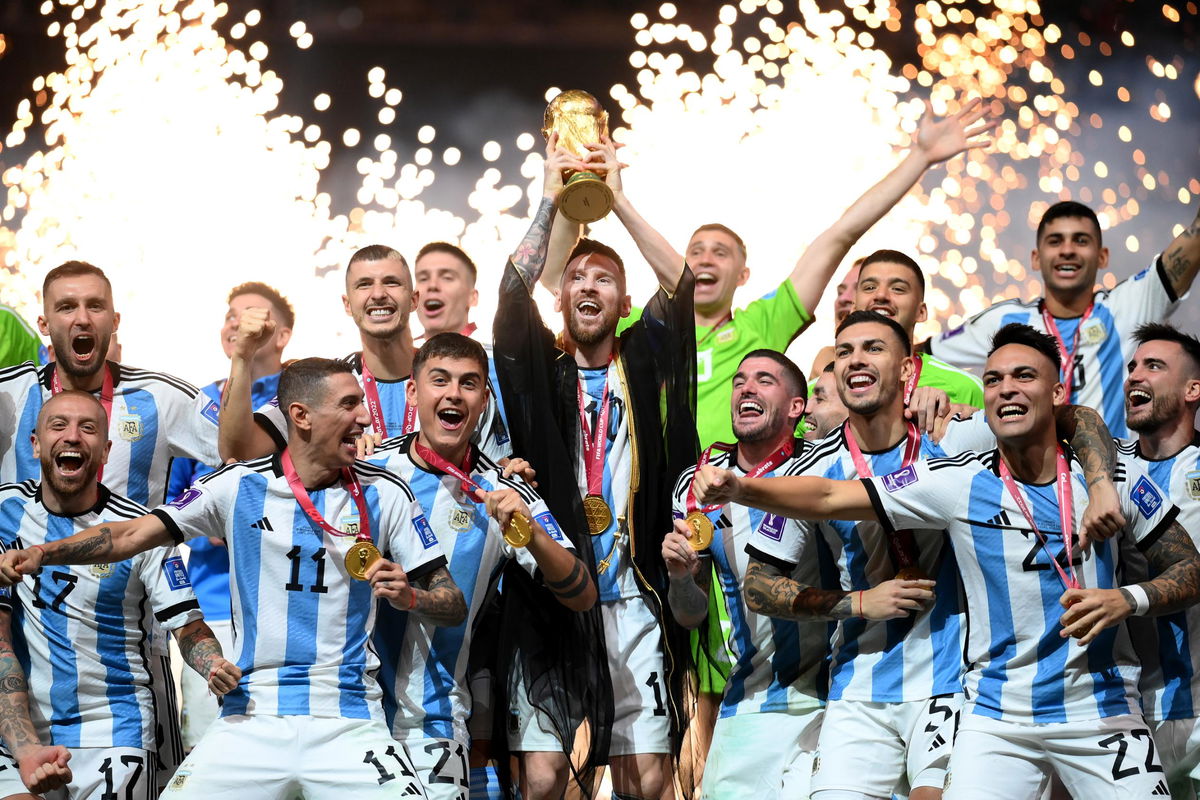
(47, 373)
(101, 501)
(1195, 442)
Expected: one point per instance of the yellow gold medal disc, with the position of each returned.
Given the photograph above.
(359, 559)
(599, 515)
(518, 532)
(702, 530)
(911, 574)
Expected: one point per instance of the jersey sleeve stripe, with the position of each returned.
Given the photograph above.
(1161, 271)
(877, 503)
(364, 468)
(17, 370)
(426, 569)
(131, 373)
(178, 608)
(172, 528)
(522, 488)
(1152, 538)
(276, 437)
(766, 558)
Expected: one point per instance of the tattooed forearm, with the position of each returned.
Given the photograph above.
(688, 600)
(530, 256)
(770, 592)
(16, 728)
(1182, 258)
(1176, 566)
(439, 600)
(1084, 428)
(573, 585)
(199, 647)
(95, 549)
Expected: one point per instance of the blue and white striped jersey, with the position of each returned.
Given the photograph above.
(301, 624)
(1168, 645)
(83, 632)
(1105, 344)
(1019, 667)
(779, 665)
(155, 417)
(490, 436)
(882, 661)
(616, 580)
(424, 667)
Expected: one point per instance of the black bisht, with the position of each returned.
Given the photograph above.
(562, 652)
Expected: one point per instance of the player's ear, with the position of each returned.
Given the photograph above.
(43, 327)
(1103, 258)
(107, 449)
(283, 336)
(922, 312)
(743, 275)
(412, 304)
(907, 367)
(116, 320)
(1191, 391)
(626, 306)
(37, 448)
(299, 414)
(474, 298)
(1059, 393)
(410, 391)
(346, 306)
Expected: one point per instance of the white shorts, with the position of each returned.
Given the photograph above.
(1102, 759)
(166, 706)
(764, 756)
(200, 706)
(126, 773)
(878, 749)
(1178, 743)
(10, 776)
(260, 757)
(635, 663)
(441, 765)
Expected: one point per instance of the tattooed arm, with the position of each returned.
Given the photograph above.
(1181, 259)
(690, 577)
(439, 600)
(1176, 566)
(768, 591)
(104, 544)
(530, 256)
(1089, 437)
(202, 652)
(42, 767)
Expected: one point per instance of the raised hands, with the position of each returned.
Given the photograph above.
(941, 138)
(255, 327)
(558, 160)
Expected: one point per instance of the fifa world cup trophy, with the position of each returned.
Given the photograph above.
(578, 119)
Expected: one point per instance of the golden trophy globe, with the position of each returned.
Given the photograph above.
(578, 119)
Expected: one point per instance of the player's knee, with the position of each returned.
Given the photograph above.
(543, 776)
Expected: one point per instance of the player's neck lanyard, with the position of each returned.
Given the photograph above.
(593, 441)
(1065, 511)
(435, 460)
(913, 379)
(768, 464)
(721, 323)
(902, 545)
(468, 329)
(349, 480)
(1068, 356)
(375, 408)
(106, 398)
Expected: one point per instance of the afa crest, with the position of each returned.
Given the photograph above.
(349, 525)
(1193, 484)
(129, 426)
(101, 570)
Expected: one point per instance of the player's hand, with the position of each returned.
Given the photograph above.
(519, 466)
(682, 561)
(602, 160)
(896, 598)
(44, 768)
(501, 504)
(558, 160)
(16, 564)
(1090, 611)
(1103, 518)
(366, 444)
(389, 581)
(715, 486)
(958, 411)
(926, 405)
(941, 138)
(223, 677)
(255, 327)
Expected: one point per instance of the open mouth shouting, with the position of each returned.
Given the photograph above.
(858, 383)
(706, 279)
(433, 306)
(1011, 411)
(69, 462)
(588, 309)
(84, 347)
(1067, 268)
(750, 408)
(382, 312)
(451, 419)
(1136, 398)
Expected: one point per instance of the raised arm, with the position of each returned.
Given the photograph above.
(1089, 437)
(530, 256)
(102, 544)
(239, 436)
(42, 767)
(564, 235)
(769, 591)
(1181, 259)
(797, 497)
(937, 139)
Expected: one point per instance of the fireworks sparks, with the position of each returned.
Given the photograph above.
(161, 154)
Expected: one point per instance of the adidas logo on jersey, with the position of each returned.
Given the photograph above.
(263, 524)
(1161, 790)
(937, 742)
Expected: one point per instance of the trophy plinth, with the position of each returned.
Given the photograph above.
(578, 119)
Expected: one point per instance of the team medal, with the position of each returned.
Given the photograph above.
(697, 520)
(599, 514)
(702, 530)
(519, 530)
(363, 553)
(902, 545)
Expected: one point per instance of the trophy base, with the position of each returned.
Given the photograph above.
(585, 198)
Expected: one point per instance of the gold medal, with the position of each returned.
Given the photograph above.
(599, 515)
(360, 557)
(518, 532)
(702, 530)
(913, 573)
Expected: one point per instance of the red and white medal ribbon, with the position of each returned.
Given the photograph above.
(1065, 513)
(375, 407)
(902, 545)
(768, 464)
(1068, 356)
(349, 480)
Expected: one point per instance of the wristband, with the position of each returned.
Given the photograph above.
(1141, 602)
(413, 602)
(860, 603)
(41, 550)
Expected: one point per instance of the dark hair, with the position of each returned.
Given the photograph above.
(73, 269)
(716, 226)
(894, 257)
(453, 250)
(860, 317)
(1020, 333)
(72, 393)
(378, 252)
(587, 246)
(828, 367)
(303, 381)
(287, 315)
(791, 372)
(1162, 332)
(1069, 209)
(451, 345)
